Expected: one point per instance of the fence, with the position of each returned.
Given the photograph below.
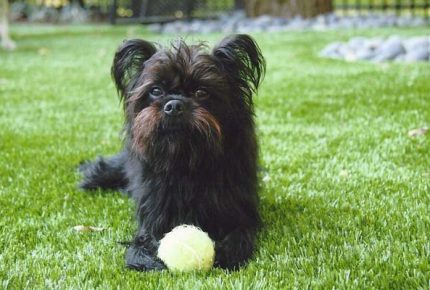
(147, 11)
(398, 7)
(166, 10)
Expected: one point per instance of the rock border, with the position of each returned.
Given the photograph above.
(378, 49)
(237, 23)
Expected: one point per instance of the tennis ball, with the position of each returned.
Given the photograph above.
(187, 248)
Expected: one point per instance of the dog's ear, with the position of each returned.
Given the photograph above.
(129, 62)
(241, 58)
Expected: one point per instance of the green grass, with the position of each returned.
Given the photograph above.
(318, 119)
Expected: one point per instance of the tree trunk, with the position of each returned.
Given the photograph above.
(288, 8)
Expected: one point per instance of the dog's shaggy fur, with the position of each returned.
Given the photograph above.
(190, 152)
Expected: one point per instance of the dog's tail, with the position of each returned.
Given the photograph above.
(104, 173)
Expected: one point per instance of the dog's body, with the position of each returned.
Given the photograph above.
(190, 153)
(6, 41)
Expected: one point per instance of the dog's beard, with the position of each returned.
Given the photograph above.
(178, 144)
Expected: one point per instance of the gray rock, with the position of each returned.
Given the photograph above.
(331, 18)
(263, 21)
(365, 54)
(276, 28)
(19, 10)
(155, 28)
(400, 58)
(228, 28)
(345, 50)
(244, 27)
(332, 50)
(420, 54)
(378, 50)
(173, 27)
(73, 13)
(390, 49)
(414, 43)
(197, 26)
(237, 22)
(374, 43)
(229, 24)
(298, 23)
(408, 21)
(319, 26)
(44, 14)
(335, 54)
(417, 21)
(346, 23)
(320, 19)
(279, 21)
(209, 27)
(234, 16)
(356, 42)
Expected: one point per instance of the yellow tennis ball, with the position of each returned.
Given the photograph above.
(187, 248)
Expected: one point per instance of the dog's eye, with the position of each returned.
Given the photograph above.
(156, 92)
(201, 93)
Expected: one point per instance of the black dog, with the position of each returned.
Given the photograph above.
(190, 152)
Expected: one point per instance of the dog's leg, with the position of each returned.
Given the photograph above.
(6, 42)
(105, 173)
(235, 249)
(141, 255)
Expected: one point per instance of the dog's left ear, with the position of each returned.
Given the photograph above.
(241, 58)
(129, 62)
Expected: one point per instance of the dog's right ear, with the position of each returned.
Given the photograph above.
(128, 63)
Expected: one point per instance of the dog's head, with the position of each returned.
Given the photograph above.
(181, 100)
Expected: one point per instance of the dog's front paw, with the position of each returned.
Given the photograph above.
(138, 258)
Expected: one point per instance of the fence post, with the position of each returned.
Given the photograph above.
(397, 7)
(427, 9)
(189, 9)
(345, 9)
(112, 13)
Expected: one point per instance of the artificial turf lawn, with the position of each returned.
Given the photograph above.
(344, 190)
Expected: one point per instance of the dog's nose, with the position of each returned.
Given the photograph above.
(174, 108)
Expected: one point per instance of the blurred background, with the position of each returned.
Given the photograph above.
(161, 11)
